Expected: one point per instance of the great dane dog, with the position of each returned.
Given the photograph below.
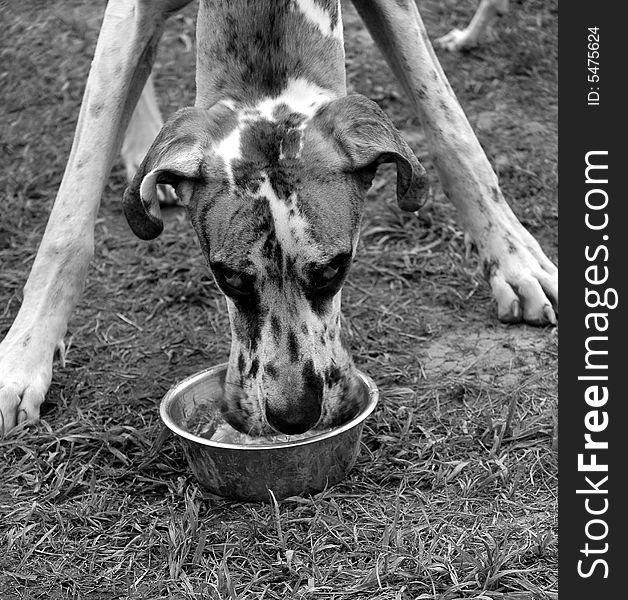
(273, 163)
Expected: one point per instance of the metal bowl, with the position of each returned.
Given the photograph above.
(247, 472)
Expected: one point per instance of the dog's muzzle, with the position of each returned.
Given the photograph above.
(300, 415)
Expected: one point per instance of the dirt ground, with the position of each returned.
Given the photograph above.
(455, 491)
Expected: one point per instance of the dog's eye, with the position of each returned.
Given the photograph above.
(329, 272)
(233, 282)
(239, 283)
(333, 272)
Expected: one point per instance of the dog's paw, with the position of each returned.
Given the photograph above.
(25, 376)
(20, 403)
(456, 40)
(523, 280)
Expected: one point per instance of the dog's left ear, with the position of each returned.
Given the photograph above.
(175, 158)
(368, 138)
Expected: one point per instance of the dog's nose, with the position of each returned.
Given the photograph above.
(296, 417)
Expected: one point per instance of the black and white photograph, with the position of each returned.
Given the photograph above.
(279, 301)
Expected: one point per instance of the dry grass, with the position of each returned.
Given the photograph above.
(454, 494)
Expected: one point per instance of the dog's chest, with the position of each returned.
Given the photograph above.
(247, 50)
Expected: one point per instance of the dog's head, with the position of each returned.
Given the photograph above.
(275, 193)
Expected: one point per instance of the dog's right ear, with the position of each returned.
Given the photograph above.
(176, 157)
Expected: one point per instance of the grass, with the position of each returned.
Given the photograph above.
(454, 494)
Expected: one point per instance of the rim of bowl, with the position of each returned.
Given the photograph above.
(176, 389)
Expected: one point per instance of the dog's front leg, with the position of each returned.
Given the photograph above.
(122, 61)
(523, 280)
